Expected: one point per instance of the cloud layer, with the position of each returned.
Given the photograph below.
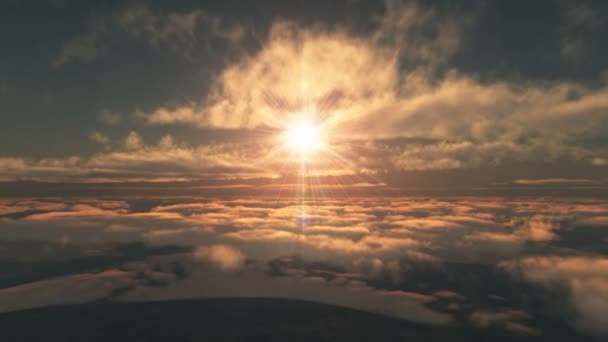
(365, 253)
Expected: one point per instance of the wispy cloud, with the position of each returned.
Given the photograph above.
(177, 32)
(554, 181)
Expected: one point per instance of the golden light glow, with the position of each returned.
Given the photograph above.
(303, 136)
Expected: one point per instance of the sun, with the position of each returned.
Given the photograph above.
(303, 136)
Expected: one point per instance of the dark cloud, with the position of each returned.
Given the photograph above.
(583, 277)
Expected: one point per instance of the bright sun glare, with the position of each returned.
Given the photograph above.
(303, 136)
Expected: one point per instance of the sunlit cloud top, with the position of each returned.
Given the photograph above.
(382, 92)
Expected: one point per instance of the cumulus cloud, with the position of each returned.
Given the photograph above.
(225, 257)
(342, 231)
(133, 141)
(458, 120)
(388, 101)
(301, 69)
(386, 250)
(586, 278)
(538, 228)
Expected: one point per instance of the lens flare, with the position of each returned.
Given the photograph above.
(303, 137)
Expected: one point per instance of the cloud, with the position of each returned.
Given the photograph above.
(597, 221)
(247, 94)
(553, 181)
(174, 31)
(82, 48)
(427, 231)
(538, 228)
(395, 105)
(586, 278)
(204, 284)
(19, 168)
(133, 141)
(134, 284)
(392, 99)
(174, 28)
(389, 101)
(225, 257)
(509, 319)
(599, 161)
(109, 118)
(423, 34)
(8, 206)
(99, 138)
(136, 162)
(578, 19)
(272, 83)
(414, 251)
(74, 289)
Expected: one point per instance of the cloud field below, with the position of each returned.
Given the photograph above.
(445, 261)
